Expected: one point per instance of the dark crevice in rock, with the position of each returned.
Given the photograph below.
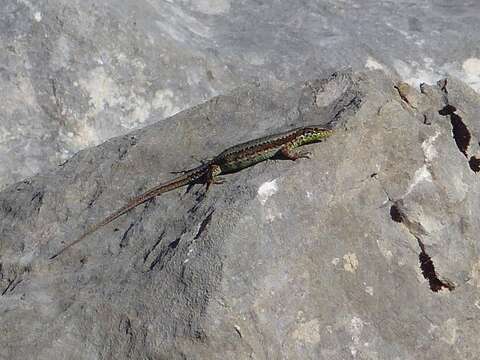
(165, 255)
(7, 287)
(204, 225)
(416, 229)
(64, 163)
(354, 104)
(447, 110)
(173, 245)
(37, 200)
(461, 135)
(38, 196)
(157, 260)
(443, 85)
(426, 120)
(199, 196)
(96, 195)
(396, 214)
(147, 254)
(12, 284)
(128, 232)
(125, 237)
(474, 163)
(15, 284)
(122, 152)
(428, 271)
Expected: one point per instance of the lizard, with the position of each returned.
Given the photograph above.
(233, 159)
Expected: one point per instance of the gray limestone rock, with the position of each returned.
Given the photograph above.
(74, 73)
(366, 251)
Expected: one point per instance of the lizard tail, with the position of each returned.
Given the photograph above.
(150, 194)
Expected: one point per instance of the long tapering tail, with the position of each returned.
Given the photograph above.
(188, 178)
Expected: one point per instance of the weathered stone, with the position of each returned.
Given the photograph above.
(367, 250)
(75, 73)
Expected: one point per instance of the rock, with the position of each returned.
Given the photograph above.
(367, 250)
(75, 73)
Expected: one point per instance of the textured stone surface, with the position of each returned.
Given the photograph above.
(368, 250)
(74, 73)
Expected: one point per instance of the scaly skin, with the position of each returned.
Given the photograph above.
(233, 159)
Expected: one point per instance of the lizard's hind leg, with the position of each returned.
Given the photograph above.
(212, 176)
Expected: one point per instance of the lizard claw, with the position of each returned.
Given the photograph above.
(305, 155)
(213, 180)
(218, 181)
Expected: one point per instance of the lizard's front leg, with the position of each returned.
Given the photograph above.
(290, 153)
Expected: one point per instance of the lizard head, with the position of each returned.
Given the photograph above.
(314, 133)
